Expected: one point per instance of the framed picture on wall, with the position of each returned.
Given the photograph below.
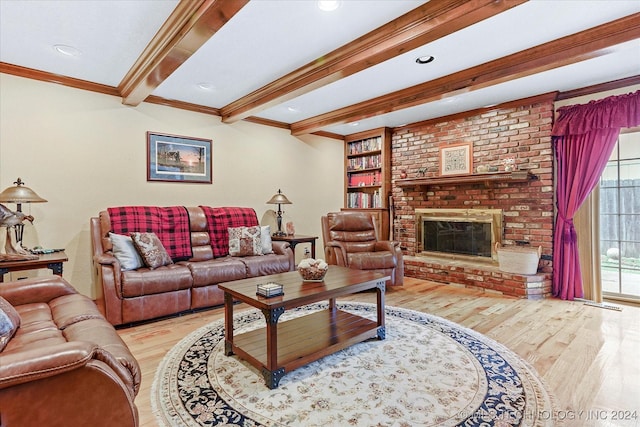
(178, 158)
(456, 159)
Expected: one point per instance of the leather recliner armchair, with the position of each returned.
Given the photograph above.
(351, 240)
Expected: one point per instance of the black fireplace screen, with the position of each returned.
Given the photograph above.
(456, 237)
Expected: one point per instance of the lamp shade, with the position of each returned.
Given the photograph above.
(279, 199)
(20, 194)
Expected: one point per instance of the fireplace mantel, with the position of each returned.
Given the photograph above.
(486, 178)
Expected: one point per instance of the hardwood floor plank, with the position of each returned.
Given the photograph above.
(587, 356)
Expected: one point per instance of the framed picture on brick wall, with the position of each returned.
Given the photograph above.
(456, 159)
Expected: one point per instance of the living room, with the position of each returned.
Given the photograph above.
(84, 151)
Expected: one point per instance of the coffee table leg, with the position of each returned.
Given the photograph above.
(380, 290)
(272, 378)
(228, 324)
(271, 372)
(332, 305)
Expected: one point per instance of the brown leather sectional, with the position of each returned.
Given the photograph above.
(144, 294)
(65, 364)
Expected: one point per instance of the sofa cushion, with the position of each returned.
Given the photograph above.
(70, 309)
(125, 252)
(37, 328)
(266, 264)
(217, 270)
(245, 241)
(144, 281)
(9, 322)
(151, 249)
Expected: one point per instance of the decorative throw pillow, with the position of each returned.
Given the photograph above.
(125, 252)
(245, 241)
(151, 249)
(265, 237)
(9, 322)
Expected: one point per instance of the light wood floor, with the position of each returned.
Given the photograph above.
(588, 356)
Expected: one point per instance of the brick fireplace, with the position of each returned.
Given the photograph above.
(520, 131)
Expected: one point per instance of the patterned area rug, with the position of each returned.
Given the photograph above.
(427, 372)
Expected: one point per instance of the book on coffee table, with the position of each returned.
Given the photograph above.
(270, 289)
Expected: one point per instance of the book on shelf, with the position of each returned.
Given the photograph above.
(364, 145)
(364, 179)
(365, 162)
(362, 199)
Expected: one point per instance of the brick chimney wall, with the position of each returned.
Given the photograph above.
(519, 132)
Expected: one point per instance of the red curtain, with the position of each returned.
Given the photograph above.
(584, 137)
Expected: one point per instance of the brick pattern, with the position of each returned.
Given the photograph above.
(520, 132)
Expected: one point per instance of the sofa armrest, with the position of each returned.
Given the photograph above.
(105, 259)
(280, 248)
(385, 245)
(335, 251)
(46, 361)
(64, 384)
(28, 291)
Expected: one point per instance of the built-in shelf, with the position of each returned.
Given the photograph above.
(486, 178)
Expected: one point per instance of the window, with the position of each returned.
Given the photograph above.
(619, 219)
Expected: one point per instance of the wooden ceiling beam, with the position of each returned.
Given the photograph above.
(565, 51)
(189, 26)
(416, 28)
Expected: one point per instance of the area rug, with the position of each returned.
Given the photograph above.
(427, 372)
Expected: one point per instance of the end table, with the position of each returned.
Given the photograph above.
(294, 239)
(51, 261)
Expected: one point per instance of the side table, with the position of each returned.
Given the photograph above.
(51, 261)
(298, 238)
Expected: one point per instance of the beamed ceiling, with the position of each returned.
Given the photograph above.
(289, 64)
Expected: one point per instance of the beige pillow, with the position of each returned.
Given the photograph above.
(265, 237)
(125, 251)
(151, 249)
(245, 241)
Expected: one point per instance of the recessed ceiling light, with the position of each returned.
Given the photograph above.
(206, 86)
(293, 109)
(424, 59)
(66, 50)
(328, 5)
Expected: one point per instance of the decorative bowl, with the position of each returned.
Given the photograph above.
(312, 270)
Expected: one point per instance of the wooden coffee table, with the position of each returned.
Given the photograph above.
(282, 347)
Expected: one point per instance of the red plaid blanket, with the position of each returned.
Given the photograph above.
(170, 224)
(220, 219)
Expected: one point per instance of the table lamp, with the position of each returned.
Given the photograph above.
(19, 195)
(279, 199)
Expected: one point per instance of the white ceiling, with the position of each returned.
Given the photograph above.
(268, 39)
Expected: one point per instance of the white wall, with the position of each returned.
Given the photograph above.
(84, 152)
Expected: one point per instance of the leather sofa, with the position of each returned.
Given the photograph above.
(64, 365)
(351, 240)
(145, 294)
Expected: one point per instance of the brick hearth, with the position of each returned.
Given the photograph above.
(522, 132)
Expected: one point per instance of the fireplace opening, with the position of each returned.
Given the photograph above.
(456, 237)
(459, 233)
